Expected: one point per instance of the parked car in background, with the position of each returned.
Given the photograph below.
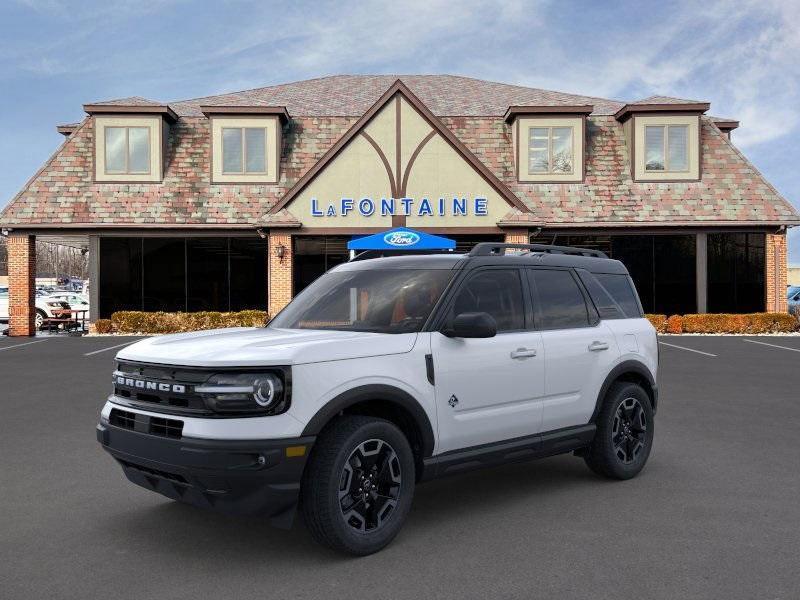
(47, 307)
(76, 301)
(793, 296)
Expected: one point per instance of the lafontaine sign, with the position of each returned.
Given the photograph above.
(422, 207)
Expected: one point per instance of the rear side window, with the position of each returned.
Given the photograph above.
(560, 302)
(621, 289)
(497, 292)
(606, 306)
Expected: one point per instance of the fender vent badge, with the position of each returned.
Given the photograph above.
(453, 401)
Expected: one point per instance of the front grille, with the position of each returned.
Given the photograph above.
(122, 418)
(167, 388)
(169, 428)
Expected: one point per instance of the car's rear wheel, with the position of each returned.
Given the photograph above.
(358, 485)
(624, 436)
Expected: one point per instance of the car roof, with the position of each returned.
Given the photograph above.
(457, 261)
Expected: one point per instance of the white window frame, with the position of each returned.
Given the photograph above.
(127, 129)
(550, 170)
(665, 148)
(244, 170)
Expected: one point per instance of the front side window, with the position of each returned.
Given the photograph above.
(244, 150)
(127, 150)
(550, 150)
(666, 147)
(376, 301)
(497, 292)
(560, 300)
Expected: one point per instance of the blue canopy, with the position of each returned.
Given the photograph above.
(401, 238)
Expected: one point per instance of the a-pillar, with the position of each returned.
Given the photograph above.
(776, 273)
(21, 284)
(279, 260)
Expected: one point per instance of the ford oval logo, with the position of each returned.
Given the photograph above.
(401, 238)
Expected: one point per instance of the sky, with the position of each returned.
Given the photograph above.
(742, 56)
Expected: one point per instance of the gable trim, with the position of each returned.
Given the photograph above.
(398, 87)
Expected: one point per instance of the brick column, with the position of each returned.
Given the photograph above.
(21, 284)
(517, 236)
(280, 271)
(775, 273)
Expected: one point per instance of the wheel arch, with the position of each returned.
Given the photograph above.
(384, 401)
(629, 370)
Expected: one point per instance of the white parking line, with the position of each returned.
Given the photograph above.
(20, 345)
(110, 348)
(771, 345)
(688, 349)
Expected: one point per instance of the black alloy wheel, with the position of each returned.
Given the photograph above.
(624, 436)
(370, 485)
(629, 432)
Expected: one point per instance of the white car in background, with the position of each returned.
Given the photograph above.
(47, 307)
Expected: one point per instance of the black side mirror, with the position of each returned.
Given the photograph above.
(472, 325)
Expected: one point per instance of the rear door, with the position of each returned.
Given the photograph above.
(579, 348)
(489, 389)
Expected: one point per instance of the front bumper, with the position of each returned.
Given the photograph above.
(245, 477)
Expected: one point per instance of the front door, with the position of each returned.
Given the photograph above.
(489, 389)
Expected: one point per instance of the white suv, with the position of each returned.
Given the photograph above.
(387, 372)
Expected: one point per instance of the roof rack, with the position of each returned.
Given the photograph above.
(499, 249)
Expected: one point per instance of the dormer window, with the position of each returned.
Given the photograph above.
(244, 150)
(245, 143)
(548, 142)
(550, 150)
(127, 150)
(666, 148)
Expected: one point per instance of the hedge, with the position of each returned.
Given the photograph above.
(132, 321)
(726, 323)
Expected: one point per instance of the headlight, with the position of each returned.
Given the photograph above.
(245, 392)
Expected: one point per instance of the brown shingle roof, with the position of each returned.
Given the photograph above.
(130, 101)
(63, 194)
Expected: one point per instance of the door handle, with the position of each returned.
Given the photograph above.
(597, 346)
(523, 353)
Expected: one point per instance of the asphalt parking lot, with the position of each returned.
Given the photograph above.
(715, 514)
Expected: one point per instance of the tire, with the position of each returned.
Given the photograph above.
(39, 318)
(343, 507)
(624, 435)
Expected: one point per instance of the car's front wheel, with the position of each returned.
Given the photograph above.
(624, 435)
(39, 318)
(358, 485)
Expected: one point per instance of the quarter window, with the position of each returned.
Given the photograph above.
(560, 300)
(497, 292)
(550, 150)
(127, 150)
(244, 150)
(666, 147)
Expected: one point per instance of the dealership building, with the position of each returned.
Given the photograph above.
(240, 200)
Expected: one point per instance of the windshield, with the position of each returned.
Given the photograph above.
(379, 301)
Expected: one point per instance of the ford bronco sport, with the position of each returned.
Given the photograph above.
(387, 372)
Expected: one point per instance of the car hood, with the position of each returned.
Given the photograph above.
(241, 347)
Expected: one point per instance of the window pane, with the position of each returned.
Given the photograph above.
(562, 149)
(139, 149)
(496, 292)
(164, 276)
(654, 148)
(561, 303)
(736, 272)
(538, 150)
(256, 151)
(537, 161)
(231, 150)
(678, 140)
(120, 266)
(115, 149)
(248, 273)
(606, 306)
(674, 274)
(621, 290)
(207, 274)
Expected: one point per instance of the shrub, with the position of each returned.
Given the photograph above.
(674, 324)
(659, 322)
(131, 321)
(103, 326)
(747, 323)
